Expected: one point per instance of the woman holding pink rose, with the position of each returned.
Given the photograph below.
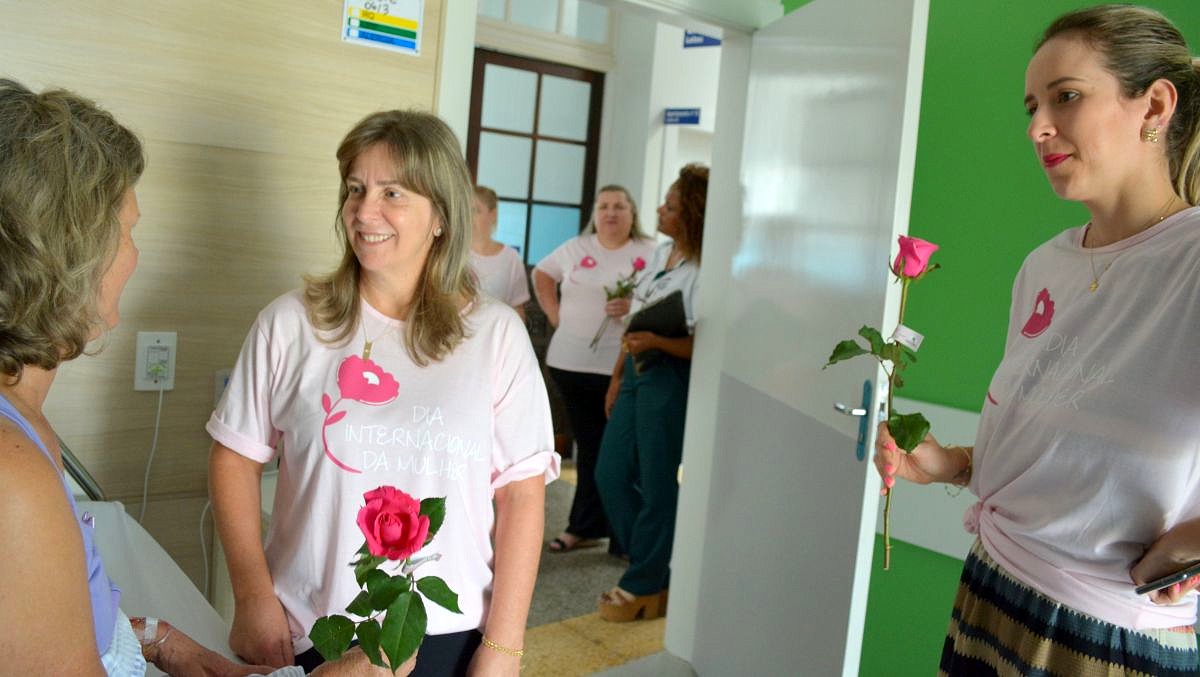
(390, 370)
(1085, 461)
(643, 442)
(570, 284)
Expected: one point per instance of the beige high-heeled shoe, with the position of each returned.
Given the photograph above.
(616, 607)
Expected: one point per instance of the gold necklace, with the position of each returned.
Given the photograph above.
(1092, 255)
(368, 342)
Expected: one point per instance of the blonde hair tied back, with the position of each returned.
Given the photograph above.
(1141, 46)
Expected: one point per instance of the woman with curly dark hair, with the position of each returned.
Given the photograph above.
(643, 441)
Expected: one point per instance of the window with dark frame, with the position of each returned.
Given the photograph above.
(532, 222)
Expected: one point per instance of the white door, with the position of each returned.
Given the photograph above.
(778, 508)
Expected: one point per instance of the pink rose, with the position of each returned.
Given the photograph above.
(639, 264)
(392, 523)
(587, 262)
(914, 253)
(364, 381)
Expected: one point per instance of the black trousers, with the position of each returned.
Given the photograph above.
(583, 395)
(439, 655)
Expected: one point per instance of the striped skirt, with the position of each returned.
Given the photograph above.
(1002, 627)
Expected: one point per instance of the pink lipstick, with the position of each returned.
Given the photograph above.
(1053, 160)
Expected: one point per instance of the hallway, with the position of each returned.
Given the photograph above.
(566, 636)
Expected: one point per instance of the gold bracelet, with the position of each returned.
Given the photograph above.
(504, 650)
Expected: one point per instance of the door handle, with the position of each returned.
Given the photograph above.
(848, 411)
(860, 412)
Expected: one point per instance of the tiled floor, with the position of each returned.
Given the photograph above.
(575, 644)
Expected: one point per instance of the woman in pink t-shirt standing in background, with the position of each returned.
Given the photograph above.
(391, 370)
(570, 284)
(1085, 462)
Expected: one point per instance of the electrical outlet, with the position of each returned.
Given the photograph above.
(154, 361)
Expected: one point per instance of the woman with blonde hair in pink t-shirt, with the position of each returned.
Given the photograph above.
(390, 370)
(1085, 462)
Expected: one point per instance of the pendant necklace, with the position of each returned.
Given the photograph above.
(368, 342)
(1092, 255)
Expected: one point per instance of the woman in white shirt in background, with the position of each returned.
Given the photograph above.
(500, 270)
(643, 442)
(581, 268)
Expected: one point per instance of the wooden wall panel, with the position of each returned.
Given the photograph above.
(241, 108)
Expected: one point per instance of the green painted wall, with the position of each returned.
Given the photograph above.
(908, 608)
(980, 193)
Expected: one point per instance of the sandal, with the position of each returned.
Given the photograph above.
(618, 606)
(561, 545)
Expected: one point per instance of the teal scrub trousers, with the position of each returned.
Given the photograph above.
(637, 469)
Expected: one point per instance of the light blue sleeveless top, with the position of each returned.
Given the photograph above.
(105, 595)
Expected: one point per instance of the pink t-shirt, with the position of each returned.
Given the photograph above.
(1089, 444)
(502, 276)
(459, 428)
(584, 267)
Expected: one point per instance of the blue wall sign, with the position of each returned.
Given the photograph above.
(681, 116)
(691, 39)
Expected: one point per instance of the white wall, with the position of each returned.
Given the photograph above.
(455, 66)
(743, 15)
(653, 71)
(625, 119)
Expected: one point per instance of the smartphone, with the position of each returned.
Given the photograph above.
(1170, 579)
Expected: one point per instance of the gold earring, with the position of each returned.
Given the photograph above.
(1150, 135)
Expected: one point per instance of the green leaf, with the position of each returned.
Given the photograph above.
(908, 430)
(435, 510)
(365, 566)
(403, 628)
(331, 636)
(846, 350)
(368, 638)
(439, 593)
(873, 337)
(361, 606)
(385, 589)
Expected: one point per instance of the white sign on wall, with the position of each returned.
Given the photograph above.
(393, 25)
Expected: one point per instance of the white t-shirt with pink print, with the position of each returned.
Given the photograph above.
(1089, 443)
(584, 268)
(459, 428)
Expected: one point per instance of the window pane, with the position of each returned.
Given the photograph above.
(511, 224)
(508, 98)
(558, 176)
(549, 227)
(492, 8)
(585, 20)
(564, 108)
(540, 14)
(504, 164)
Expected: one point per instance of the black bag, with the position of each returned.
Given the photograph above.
(665, 317)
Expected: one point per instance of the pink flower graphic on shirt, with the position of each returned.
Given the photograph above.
(587, 262)
(1043, 313)
(362, 381)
